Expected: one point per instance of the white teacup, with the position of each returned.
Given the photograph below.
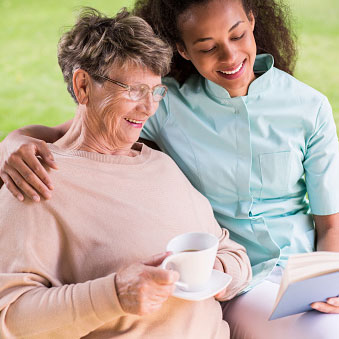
(193, 257)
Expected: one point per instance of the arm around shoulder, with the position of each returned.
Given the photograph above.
(45, 133)
(20, 168)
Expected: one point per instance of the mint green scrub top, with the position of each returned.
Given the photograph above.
(255, 157)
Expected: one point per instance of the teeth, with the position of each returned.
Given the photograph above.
(134, 121)
(233, 72)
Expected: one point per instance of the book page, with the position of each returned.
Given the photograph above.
(307, 265)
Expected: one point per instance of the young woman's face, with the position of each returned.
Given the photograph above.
(218, 39)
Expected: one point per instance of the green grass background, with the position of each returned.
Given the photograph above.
(32, 89)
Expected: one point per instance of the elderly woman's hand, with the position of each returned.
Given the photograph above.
(331, 306)
(142, 288)
(21, 170)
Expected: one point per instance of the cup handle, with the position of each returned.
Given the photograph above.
(164, 266)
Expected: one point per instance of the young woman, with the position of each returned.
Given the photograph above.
(254, 140)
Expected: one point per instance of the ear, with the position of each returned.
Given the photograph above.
(81, 88)
(182, 51)
(251, 20)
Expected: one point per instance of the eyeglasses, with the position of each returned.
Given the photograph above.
(137, 92)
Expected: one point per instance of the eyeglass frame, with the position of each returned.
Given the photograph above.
(128, 87)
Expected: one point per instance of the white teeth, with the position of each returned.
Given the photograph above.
(233, 72)
(134, 121)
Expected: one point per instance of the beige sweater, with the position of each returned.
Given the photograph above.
(59, 257)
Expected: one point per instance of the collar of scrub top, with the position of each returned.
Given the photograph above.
(263, 65)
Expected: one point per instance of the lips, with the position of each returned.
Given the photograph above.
(236, 70)
(134, 123)
(234, 73)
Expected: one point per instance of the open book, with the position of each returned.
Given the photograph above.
(307, 278)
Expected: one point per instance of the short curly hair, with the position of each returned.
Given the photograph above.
(273, 30)
(96, 42)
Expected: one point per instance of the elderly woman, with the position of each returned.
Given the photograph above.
(83, 264)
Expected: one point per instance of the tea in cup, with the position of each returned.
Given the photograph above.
(193, 257)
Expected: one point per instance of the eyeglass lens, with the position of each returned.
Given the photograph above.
(140, 91)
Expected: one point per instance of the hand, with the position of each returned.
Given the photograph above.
(218, 266)
(331, 306)
(21, 170)
(142, 288)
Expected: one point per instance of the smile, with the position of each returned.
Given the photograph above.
(233, 74)
(234, 71)
(134, 121)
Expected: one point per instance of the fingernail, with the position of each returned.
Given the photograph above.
(331, 302)
(20, 197)
(51, 187)
(47, 195)
(36, 198)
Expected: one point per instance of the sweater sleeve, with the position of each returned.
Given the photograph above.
(235, 262)
(34, 302)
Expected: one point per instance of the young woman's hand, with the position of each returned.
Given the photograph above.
(331, 306)
(142, 288)
(21, 168)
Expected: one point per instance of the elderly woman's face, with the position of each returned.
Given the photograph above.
(122, 118)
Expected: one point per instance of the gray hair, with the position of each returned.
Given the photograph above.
(96, 42)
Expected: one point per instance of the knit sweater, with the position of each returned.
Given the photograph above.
(59, 258)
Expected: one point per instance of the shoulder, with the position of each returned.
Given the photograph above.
(160, 162)
(192, 85)
(186, 95)
(296, 90)
(178, 98)
(159, 157)
(162, 165)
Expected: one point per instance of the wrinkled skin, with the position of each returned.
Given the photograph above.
(142, 288)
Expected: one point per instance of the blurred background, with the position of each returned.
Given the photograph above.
(32, 90)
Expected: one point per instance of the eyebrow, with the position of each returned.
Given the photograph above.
(209, 38)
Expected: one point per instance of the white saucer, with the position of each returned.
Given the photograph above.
(218, 281)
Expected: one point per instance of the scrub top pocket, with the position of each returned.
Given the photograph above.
(275, 173)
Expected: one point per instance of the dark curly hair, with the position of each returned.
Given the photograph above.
(273, 30)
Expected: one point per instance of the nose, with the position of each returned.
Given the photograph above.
(227, 53)
(148, 99)
(148, 105)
